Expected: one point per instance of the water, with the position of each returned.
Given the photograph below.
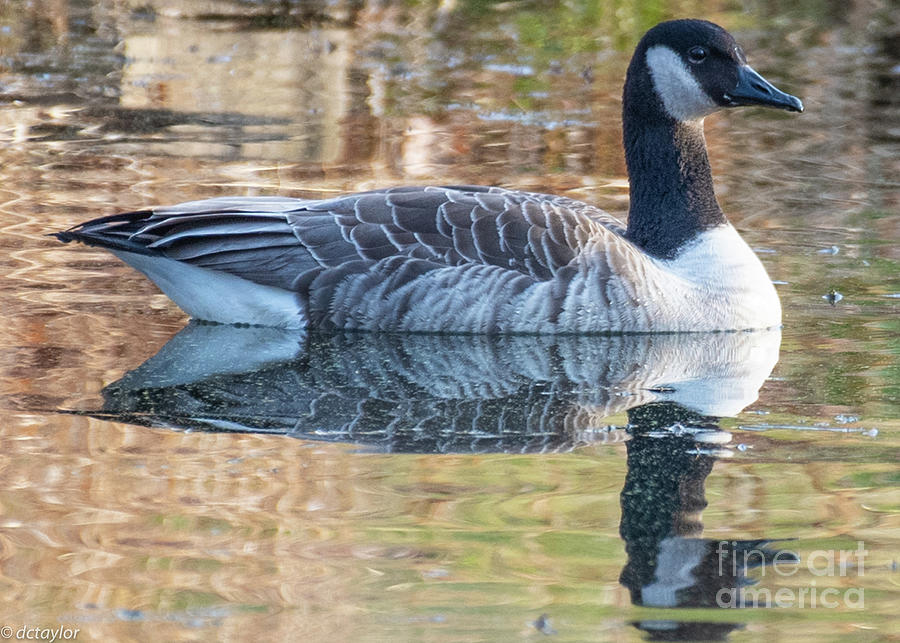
(164, 481)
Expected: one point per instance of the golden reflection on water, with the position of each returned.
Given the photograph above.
(137, 533)
(132, 532)
(274, 532)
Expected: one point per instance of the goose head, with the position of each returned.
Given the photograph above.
(681, 71)
(687, 69)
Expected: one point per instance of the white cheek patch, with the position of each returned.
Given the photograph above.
(682, 96)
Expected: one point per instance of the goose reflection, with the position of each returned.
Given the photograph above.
(477, 394)
(435, 393)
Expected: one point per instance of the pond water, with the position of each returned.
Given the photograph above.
(161, 480)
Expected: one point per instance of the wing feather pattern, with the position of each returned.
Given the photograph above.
(399, 234)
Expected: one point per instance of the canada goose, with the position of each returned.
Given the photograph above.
(484, 259)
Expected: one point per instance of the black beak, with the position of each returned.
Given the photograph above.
(753, 89)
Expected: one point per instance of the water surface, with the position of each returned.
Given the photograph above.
(160, 480)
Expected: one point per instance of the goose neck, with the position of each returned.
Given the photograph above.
(670, 182)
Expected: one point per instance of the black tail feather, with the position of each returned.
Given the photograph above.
(113, 232)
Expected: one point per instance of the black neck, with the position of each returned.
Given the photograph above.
(671, 187)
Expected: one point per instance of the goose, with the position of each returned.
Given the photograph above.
(475, 259)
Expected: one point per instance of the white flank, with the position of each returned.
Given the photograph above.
(681, 94)
(217, 296)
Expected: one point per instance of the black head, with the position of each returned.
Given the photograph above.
(695, 67)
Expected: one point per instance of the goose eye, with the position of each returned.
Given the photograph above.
(697, 55)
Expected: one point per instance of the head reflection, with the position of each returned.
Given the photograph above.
(670, 564)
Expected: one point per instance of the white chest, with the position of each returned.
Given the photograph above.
(726, 280)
